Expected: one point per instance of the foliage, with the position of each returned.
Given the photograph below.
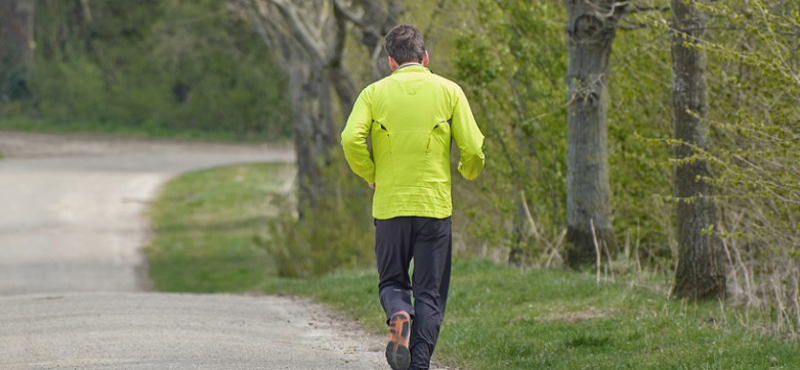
(159, 65)
(639, 118)
(755, 131)
(335, 234)
(753, 91)
(513, 63)
(177, 65)
(753, 95)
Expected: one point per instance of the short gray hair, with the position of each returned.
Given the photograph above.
(405, 44)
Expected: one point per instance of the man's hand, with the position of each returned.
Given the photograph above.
(372, 186)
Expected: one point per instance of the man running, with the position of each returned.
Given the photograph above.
(412, 116)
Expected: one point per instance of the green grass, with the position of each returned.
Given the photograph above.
(204, 223)
(499, 317)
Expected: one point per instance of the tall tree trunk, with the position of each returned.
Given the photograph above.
(300, 35)
(700, 271)
(16, 48)
(312, 112)
(591, 27)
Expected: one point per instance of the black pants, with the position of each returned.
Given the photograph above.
(428, 241)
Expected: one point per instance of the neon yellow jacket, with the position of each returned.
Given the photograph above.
(412, 116)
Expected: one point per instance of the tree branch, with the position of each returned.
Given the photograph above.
(347, 13)
(299, 29)
(644, 9)
(342, 82)
(612, 9)
(251, 10)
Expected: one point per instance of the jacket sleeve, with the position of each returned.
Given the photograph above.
(354, 139)
(468, 137)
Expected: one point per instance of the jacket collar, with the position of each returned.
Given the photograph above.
(411, 67)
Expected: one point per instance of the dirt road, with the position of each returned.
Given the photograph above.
(73, 292)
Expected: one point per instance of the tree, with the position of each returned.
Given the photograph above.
(375, 21)
(308, 40)
(16, 48)
(591, 27)
(700, 271)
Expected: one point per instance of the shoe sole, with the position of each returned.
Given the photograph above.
(397, 354)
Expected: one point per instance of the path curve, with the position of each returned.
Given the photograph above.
(72, 289)
(72, 206)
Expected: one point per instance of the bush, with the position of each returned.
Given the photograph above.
(336, 234)
(157, 66)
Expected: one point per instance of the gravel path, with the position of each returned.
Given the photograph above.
(73, 288)
(72, 206)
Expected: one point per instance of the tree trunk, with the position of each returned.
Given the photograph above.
(377, 23)
(591, 29)
(298, 33)
(16, 48)
(340, 78)
(313, 131)
(308, 38)
(700, 272)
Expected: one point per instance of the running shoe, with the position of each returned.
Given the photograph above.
(397, 354)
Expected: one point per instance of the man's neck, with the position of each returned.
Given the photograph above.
(409, 64)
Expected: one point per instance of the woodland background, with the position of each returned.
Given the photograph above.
(278, 70)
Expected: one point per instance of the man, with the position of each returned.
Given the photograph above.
(412, 116)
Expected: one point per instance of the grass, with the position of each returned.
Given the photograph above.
(499, 317)
(204, 224)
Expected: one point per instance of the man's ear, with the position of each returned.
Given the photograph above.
(393, 64)
(425, 59)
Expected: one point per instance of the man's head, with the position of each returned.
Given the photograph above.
(404, 44)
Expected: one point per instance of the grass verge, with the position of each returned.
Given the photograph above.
(204, 223)
(498, 317)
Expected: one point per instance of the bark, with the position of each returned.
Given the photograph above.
(298, 35)
(378, 23)
(16, 48)
(700, 271)
(591, 29)
(338, 75)
(313, 131)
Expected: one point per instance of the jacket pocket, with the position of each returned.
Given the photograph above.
(382, 151)
(437, 156)
(439, 140)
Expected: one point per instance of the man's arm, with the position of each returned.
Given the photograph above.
(354, 139)
(468, 137)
